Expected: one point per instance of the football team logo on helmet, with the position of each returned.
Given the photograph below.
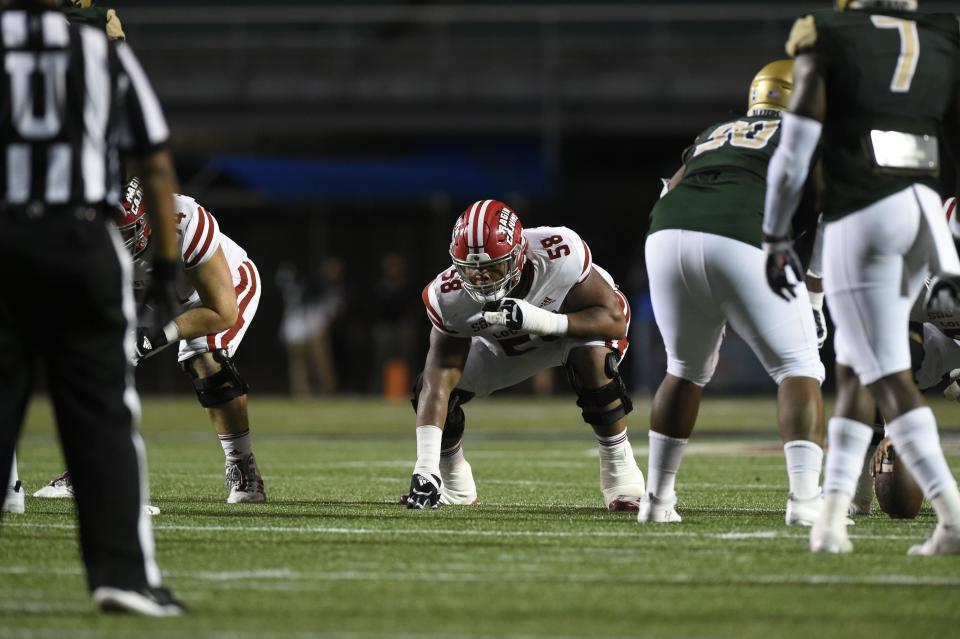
(771, 87)
(488, 249)
(131, 219)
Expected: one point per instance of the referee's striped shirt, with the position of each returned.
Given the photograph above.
(70, 102)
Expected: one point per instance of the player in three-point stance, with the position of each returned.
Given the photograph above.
(517, 301)
(219, 290)
(870, 77)
(704, 262)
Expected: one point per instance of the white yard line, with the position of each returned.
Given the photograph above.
(636, 532)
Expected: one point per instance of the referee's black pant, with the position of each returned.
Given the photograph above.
(65, 298)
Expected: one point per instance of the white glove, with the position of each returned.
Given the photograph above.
(952, 391)
(519, 315)
(666, 186)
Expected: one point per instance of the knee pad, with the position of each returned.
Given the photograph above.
(222, 386)
(593, 401)
(456, 420)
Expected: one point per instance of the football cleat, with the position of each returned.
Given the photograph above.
(149, 602)
(59, 488)
(825, 539)
(945, 540)
(13, 502)
(621, 481)
(244, 481)
(803, 512)
(657, 511)
(457, 487)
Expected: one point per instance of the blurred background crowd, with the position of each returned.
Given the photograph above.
(338, 141)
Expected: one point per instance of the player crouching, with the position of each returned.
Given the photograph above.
(218, 288)
(515, 302)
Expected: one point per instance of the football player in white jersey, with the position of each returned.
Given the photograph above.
(219, 291)
(517, 301)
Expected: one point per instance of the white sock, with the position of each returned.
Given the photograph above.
(848, 441)
(664, 463)
(804, 461)
(428, 450)
(14, 475)
(611, 447)
(917, 443)
(453, 455)
(236, 447)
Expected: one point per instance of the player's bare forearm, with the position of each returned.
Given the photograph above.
(214, 284)
(159, 182)
(444, 367)
(593, 310)
(809, 97)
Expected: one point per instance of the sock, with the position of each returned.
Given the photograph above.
(848, 441)
(428, 450)
(917, 444)
(14, 475)
(664, 462)
(236, 447)
(863, 497)
(804, 461)
(453, 455)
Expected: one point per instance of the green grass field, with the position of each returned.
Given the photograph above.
(331, 554)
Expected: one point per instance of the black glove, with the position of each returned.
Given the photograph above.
(781, 258)
(511, 314)
(160, 300)
(943, 294)
(424, 492)
(150, 341)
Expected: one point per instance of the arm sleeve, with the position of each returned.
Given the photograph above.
(788, 171)
(143, 128)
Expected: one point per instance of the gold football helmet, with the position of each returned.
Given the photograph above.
(901, 5)
(772, 86)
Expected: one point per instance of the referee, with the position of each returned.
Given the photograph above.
(70, 103)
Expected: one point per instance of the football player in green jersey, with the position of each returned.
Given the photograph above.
(705, 267)
(83, 12)
(879, 81)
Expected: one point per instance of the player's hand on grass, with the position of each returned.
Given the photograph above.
(424, 492)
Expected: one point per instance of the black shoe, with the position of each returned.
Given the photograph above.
(147, 601)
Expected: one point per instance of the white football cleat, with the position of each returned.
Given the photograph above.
(13, 502)
(244, 481)
(151, 510)
(656, 511)
(149, 602)
(59, 488)
(830, 540)
(457, 487)
(621, 481)
(803, 512)
(945, 540)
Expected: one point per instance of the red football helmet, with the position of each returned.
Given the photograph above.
(488, 249)
(131, 219)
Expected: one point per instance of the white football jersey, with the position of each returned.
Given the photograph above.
(199, 237)
(560, 260)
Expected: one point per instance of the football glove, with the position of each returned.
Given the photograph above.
(424, 492)
(783, 268)
(519, 315)
(160, 300)
(952, 391)
(151, 341)
(943, 294)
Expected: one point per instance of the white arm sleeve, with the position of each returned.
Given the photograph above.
(788, 170)
(815, 269)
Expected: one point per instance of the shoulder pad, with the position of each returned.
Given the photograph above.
(803, 36)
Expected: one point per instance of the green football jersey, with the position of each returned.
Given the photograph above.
(724, 181)
(886, 74)
(93, 16)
